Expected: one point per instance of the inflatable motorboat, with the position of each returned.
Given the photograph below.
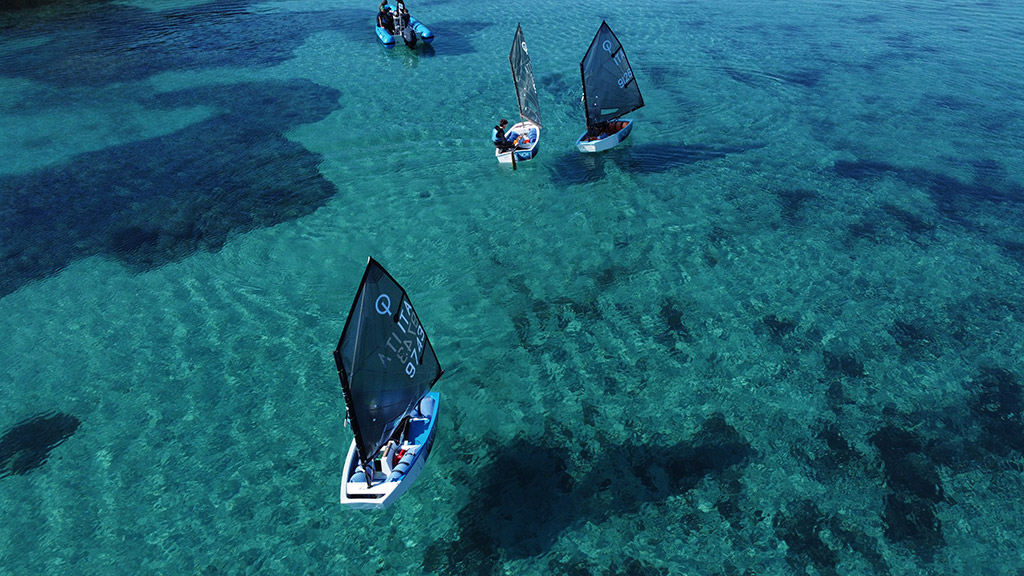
(394, 24)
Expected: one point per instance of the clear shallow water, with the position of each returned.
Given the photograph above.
(778, 331)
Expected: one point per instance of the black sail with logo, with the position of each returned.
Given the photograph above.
(384, 359)
(609, 88)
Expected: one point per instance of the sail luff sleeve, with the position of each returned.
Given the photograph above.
(512, 67)
(343, 375)
(583, 83)
(586, 64)
(513, 63)
(350, 408)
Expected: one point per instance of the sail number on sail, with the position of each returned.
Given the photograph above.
(406, 342)
(627, 76)
(618, 56)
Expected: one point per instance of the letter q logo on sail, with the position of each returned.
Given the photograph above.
(383, 304)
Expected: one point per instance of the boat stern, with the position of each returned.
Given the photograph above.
(389, 482)
(606, 141)
(525, 151)
(422, 31)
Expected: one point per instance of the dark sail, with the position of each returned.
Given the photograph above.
(522, 75)
(384, 359)
(609, 88)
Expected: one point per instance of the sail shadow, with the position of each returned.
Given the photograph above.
(521, 506)
(530, 494)
(27, 445)
(656, 158)
(574, 168)
(577, 168)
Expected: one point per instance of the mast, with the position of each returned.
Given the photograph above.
(350, 413)
(583, 82)
(346, 389)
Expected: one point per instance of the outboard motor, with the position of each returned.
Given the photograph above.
(409, 36)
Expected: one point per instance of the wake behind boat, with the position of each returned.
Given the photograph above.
(524, 135)
(609, 92)
(395, 24)
(387, 368)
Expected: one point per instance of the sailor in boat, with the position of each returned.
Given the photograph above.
(384, 18)
(391, 453)
(498, 137)
(598, 131)
(397, 454)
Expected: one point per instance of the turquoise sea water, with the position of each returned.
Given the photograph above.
(779, 331)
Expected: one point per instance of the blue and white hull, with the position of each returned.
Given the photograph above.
(527, 148)
(392, 477)
(617, 131)
(422, 33)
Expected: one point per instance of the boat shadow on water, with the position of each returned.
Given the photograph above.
(575, 168)
(530, 495)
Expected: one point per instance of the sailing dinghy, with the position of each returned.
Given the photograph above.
(529, 105)
(609, 92)
(387, 368)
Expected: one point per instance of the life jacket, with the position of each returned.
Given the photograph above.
(494, 135)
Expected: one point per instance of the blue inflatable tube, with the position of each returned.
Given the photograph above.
(386, 39)
(422, 31)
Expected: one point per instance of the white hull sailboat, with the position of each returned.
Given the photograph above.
(528, 145)
(609, 92)
(396, 470)
(528, 130)
(387, 369)
(617, 131)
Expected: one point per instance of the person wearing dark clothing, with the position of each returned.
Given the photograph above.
(384, 18)
(498, 137)
(597, 131)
